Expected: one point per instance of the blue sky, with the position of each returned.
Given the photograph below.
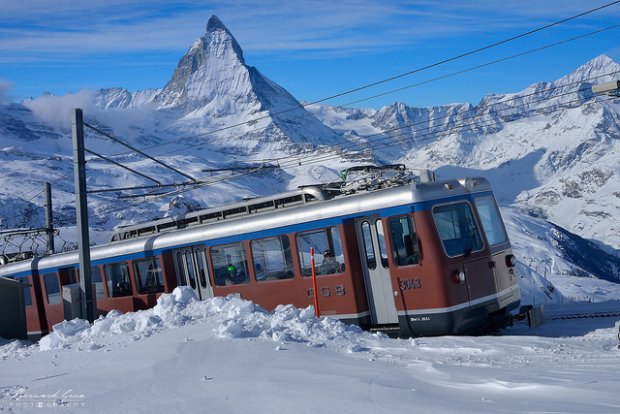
(312, 48)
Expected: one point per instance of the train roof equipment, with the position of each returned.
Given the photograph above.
(357, 179)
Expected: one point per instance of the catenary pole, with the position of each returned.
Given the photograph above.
(81, 207)
(49, 221)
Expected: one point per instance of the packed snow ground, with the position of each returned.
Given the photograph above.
(227, 355)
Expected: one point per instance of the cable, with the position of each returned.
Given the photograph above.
(113, 138)
(538, 49)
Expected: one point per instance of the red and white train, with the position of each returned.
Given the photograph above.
(402, 256)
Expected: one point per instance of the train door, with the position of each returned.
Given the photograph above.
(379, 289)
(479, 280)
(191, 268)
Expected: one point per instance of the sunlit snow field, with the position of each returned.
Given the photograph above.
(227, 355)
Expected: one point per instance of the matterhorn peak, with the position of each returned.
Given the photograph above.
(215, 23)
(213, 62)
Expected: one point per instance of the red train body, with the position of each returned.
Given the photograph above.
(414, 259)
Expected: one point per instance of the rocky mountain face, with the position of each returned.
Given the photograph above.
(212, 88)
(551, 151)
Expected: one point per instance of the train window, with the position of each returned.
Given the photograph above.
(67, 275)
(189, 268)
(28, 293)
(117, 277)
(405, 248)
(95, 279)
(230, 266)
(328, 251)
(180, 273)
(369, 247)
(272, 258)
(457, 229)
(148, 275)
(52, 287)
(382, 246)
(491, 220)
(201, 262)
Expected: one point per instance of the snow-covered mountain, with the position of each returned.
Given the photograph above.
(551, 151)
(212, 88)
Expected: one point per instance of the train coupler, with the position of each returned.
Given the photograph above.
(535, 315)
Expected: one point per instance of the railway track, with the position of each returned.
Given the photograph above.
(588, 315)
(583, 315)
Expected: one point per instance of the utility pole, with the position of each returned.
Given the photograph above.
(49, 221)
(81, 207)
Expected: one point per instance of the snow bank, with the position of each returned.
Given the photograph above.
(229, 317)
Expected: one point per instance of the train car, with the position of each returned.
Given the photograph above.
(393, 254)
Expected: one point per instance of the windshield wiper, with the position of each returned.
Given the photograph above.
(469, 245)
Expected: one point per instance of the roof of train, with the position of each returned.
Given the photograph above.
(340, 206)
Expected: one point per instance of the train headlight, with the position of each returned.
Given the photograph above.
(511, 260)
(458, 277)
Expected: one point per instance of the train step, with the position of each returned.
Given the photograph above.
(391, 330)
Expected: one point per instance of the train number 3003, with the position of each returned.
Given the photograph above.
(410, 284)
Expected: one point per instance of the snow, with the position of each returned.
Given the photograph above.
(228, 355)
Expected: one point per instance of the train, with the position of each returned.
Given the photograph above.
(394, 251)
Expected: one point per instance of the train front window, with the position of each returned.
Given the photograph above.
(117, 277)
(405, 248)
(329, 258)
(230, 266)
(148, 276)
(457, 229)
(272, 258)
(491, 220)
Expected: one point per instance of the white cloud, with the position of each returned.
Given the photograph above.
(57, 110)
(65, 28)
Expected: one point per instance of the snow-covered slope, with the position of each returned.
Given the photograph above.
(226, 355)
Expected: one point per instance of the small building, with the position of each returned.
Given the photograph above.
(12, 309)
